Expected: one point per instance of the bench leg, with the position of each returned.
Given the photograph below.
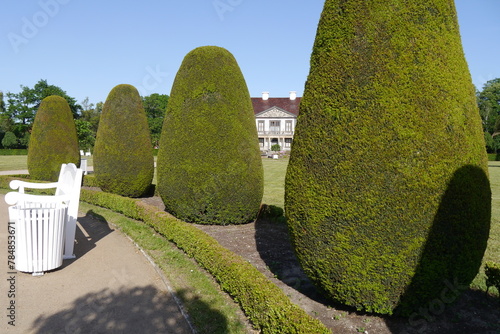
(69, 238)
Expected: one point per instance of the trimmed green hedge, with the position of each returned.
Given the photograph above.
(123, 157)
(5, 180)
(492, 271)
(53, 140)
(90, 180)
(13, 152)
(387, 193)
(264, 303)
(209, 165)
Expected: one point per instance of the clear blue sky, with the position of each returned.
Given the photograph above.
(88, 47)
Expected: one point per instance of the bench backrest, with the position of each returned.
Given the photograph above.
(69, 184)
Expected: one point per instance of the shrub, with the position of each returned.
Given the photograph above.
(387, 194)
(275, 148)
(489, 142)
(271, 213)
(209, 165)
(492, 271)
(123, 158)
(53, 139)
(9, 141)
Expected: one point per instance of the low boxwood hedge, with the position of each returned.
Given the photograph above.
(267, 307)
(13, 152)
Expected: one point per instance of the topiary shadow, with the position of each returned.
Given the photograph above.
(455, 246)
(275, 248)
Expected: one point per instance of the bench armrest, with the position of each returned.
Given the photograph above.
(18, 184)
(14, 197)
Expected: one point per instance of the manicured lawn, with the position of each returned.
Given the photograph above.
(274, 181)
(20, 162)
(13, 162)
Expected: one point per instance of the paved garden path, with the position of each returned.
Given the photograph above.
(110, 287)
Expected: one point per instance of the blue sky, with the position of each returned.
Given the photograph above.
(88, 47)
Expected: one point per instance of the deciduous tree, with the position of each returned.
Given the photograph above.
(489, 105)
(22, 107)
(155, 106)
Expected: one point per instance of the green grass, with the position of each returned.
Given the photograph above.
(274, 181)
(13, 162)
(493, 251)
(20, 162)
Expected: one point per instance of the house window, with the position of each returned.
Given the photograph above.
(274, 126)
(288, 126)
(288, 142)
(261, 142)
(260, 126)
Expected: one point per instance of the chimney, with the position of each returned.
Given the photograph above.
(265, 96)
(293, 95)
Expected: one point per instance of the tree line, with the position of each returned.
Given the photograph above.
(488, 100)
(18, 110)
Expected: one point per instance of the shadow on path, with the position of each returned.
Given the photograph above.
(136, 310)
(90, 229)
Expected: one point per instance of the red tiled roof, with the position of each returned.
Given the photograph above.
(259, 105)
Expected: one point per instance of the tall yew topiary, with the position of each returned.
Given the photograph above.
(53, 139)
(387, 196)
(123, 156)
(209, 165)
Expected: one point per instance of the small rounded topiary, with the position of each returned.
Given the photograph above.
(53, 139)
(387, 196)
(209, 165)
(123, 156)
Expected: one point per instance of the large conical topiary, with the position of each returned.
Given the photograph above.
(123, 156)
(53, 139)
(209, 165)
(387, 196)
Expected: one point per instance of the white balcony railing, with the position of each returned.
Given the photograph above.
(275, 133)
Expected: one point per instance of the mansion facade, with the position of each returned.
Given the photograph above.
(275, 119)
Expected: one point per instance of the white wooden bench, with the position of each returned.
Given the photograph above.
(42, 220)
